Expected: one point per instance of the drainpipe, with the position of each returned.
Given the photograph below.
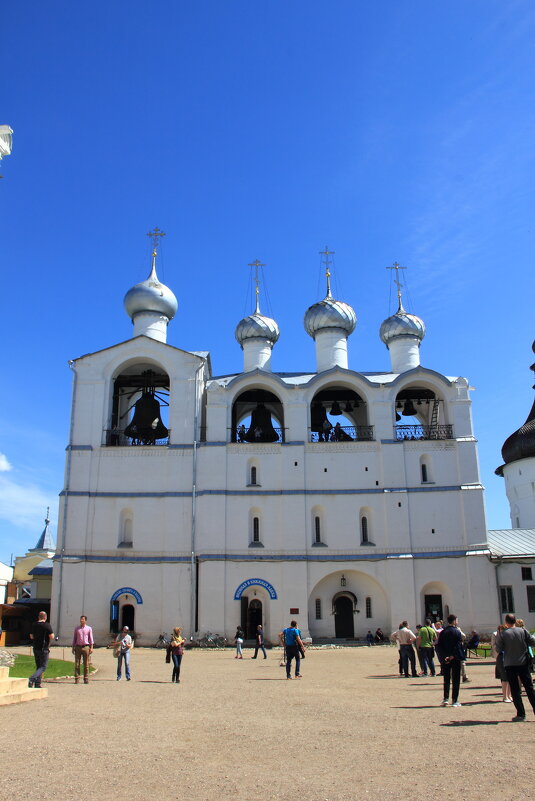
(496, 573)
(66, 495)
(193, 562)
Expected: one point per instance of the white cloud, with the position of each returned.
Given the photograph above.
(23, 505)
(4, 464)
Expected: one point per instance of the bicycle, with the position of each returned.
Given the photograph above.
(210, 640)
(162, 642)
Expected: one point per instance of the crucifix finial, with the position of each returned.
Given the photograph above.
(256, 264)
(397, 267)
(327, 262)
(155, 236)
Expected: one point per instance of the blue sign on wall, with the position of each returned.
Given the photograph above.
(255, 582)
(127, 591)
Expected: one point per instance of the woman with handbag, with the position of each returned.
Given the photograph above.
(175, 652)
(239, 637)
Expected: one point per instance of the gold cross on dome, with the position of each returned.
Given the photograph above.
(256, 264)
(156, 236)
(327, 263)
(397, 267)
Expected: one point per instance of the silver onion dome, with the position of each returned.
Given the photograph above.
(257, 326)
(151, 296)
(330, 313)
(401, 324)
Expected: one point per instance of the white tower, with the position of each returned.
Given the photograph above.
(518, 453)
(329, 323)
(150, 304)
(257, 334)
(402, 334)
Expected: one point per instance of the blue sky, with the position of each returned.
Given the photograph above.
(388, 130)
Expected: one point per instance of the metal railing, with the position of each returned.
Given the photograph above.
(115, 437)
(343, 434)
(423, 432)
(241, 436)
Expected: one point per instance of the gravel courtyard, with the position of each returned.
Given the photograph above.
(349, 729)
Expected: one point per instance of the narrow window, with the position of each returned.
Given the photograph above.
(531, 597)
(526, 574)
(126, 539)
(506, 598)
(317, 529)
(318, 608)
(368, 607)
(424, 473)
(364, 530)
(253, 475)
(256, 529)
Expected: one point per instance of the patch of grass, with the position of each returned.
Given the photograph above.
(25, 665)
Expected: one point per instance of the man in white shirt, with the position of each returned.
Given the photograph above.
(405, 637)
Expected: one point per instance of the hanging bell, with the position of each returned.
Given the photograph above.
(261, 428)
(408, 409)
(335, 409)
(398, 417)
(399, 405)
(348, 407)
(146, 425)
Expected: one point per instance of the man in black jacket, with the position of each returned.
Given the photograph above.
(41, 636)
(514, 643)
(449, 647)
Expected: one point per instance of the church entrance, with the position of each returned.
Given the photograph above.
(344, 626)
(128, 616)
(254, 618)
(433, 607)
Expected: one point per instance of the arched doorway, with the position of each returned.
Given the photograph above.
(128, 616)
(344, 626)
(254, 618)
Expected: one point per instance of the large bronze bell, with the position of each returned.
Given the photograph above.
(146, 425)
(261, 428)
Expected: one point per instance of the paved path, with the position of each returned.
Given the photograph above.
(350, 729)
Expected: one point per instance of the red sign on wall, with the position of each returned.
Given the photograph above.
(294, 611)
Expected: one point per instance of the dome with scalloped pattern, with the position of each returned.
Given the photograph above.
(330, 313)
(151, 296)
(257, 326)
(401, 324)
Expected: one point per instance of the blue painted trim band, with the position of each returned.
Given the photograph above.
(79, 448)
(244, 492)
(304, 557)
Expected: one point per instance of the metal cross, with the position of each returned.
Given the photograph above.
(256, 264)
(328, 262)
(397, 267)
(155, 236)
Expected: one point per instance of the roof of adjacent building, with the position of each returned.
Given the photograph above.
(509, 542)
(44, 568)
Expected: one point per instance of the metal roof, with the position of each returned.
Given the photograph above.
(510, 542)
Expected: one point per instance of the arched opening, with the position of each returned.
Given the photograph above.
(126, 529)
(257, 416)
(254, 617)
(140, 404)
(339, 414)
(420, 414)
(128, 616)
(344, 626)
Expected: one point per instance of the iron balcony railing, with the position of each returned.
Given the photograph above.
(115, 437)
(424, 432)
(343, 434)
(241, 436)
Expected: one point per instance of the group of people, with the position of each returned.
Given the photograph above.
(289, 638)
(512, 647)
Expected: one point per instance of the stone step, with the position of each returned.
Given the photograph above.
(4, 673)
(12, 685)
(24, 695)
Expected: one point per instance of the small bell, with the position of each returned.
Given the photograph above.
(408, 409)
(335, 409)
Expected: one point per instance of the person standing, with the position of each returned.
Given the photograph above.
(449, 647)
(405, 637)
(41, 636)
(239, 637)
(259, 644)
(499, 671)
(514, 642)
(82, 648)
(176, 651)
(123, 645)
(294, 648)
(425, 644)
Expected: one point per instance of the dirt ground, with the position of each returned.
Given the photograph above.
(349, 729)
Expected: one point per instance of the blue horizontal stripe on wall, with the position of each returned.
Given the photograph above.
(256, 492)
(263, 557)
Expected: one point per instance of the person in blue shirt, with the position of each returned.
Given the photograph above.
(294, 648)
